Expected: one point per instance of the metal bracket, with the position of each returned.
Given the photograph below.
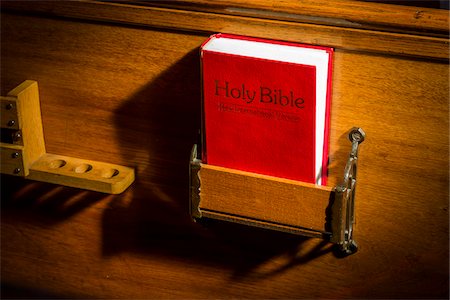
(194, 196)
(343, 208)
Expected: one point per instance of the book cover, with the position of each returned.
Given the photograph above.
(266, 106)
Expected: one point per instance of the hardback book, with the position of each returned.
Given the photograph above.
(266, 106)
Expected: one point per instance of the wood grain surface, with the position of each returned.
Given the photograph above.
(351, 38)
(264, 198)
(121, 84)
(349, 13)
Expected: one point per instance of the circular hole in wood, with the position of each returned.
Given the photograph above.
(83, 168)
(57, 163)
(110, 173)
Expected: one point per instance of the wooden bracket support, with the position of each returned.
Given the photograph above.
(23, 149)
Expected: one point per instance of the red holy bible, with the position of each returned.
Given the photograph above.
(266, 106)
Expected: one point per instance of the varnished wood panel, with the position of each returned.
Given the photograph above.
(264, 198)
(130, 95)
(350, 38)
(349, 13)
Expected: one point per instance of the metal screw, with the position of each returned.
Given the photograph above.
(9, 106)
(15, 155)
(17, 170)
(341, 188)
(17, 136)
(357, 135)
(11, 123)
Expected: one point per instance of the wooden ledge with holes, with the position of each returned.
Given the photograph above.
(23, 149)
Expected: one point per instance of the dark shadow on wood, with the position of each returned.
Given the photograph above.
(11, 291)
(156, 221)
(43, 203)
(149, 227)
